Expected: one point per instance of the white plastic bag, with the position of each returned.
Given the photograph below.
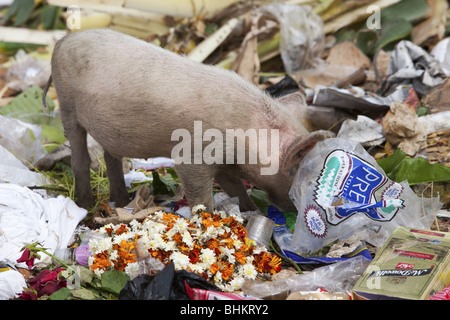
(340, 190)
(26, 217)
(12, 170)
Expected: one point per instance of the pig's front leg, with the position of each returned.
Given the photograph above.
(235, 187)
(117, 190)
(80, 163)
(197, 184)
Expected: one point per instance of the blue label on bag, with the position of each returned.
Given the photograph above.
(349, 185)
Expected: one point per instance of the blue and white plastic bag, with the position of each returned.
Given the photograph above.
(339, 190)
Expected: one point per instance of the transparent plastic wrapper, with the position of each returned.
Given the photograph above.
(301, 35)
(340, 190)
(339, 277)
(22, 139)
(27, 71)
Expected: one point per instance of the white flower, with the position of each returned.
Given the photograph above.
(229, 253)
(236, 283)
(187, 239)
(100, 245)
(135, 225)
(113, 255)
(198, 267)
(169, 246)
(124, 236)
(180, 260)
(208, 257)
(132, 269)
(155, 242)
(180, 225)
(249, 271)
(198, 208)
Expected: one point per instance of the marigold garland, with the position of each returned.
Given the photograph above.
(213, 245)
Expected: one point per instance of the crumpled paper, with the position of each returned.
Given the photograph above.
(411, 64)
(140, 208)
(402, 127)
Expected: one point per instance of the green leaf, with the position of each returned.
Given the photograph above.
(86, 275)
(365, 40)
(261, 200)
(49, 17)
(393, 31)
(25, 10)
(83, 294)
(12, 11)
(162, 186)
(408, 10)
(113, 281)
(388, 164)
(419, 170)
(61, 294)
(399, 168)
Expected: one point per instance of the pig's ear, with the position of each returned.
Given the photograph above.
(299, 148)
(293, 101)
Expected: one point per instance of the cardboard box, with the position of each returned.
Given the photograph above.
(413, 264)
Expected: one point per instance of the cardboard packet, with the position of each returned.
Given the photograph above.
(413, 264)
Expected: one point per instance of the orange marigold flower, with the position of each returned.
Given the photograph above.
(109, 230)
(194, 256)
(240, 257)
(101, 261)
(227, 270)
(122, 229)
(177, 237)
(214, 268)
(275, 264)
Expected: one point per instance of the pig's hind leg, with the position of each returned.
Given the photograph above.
(117, 190)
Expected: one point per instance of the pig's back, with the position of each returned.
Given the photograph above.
(106, 75)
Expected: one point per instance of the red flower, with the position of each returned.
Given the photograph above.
(45, 283)
(27, 258)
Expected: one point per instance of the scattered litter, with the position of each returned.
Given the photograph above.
(12, 282)
(412, 264)
(27, 71)
(26, 217)
(22, 139)
(441, 53)
(339, 277)
(411, 64)
(364, 130)
(302, 38)
(12, 170)
(402, 128)
(168, 284)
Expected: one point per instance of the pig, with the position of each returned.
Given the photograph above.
(131, 96)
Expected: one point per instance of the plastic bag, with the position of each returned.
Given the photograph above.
(167, 284)
(301, 35)
(27, 71)
(339, 277)
(340, 190)
(26, 217)
(22, 139)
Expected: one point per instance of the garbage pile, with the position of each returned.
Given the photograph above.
(372, 219)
